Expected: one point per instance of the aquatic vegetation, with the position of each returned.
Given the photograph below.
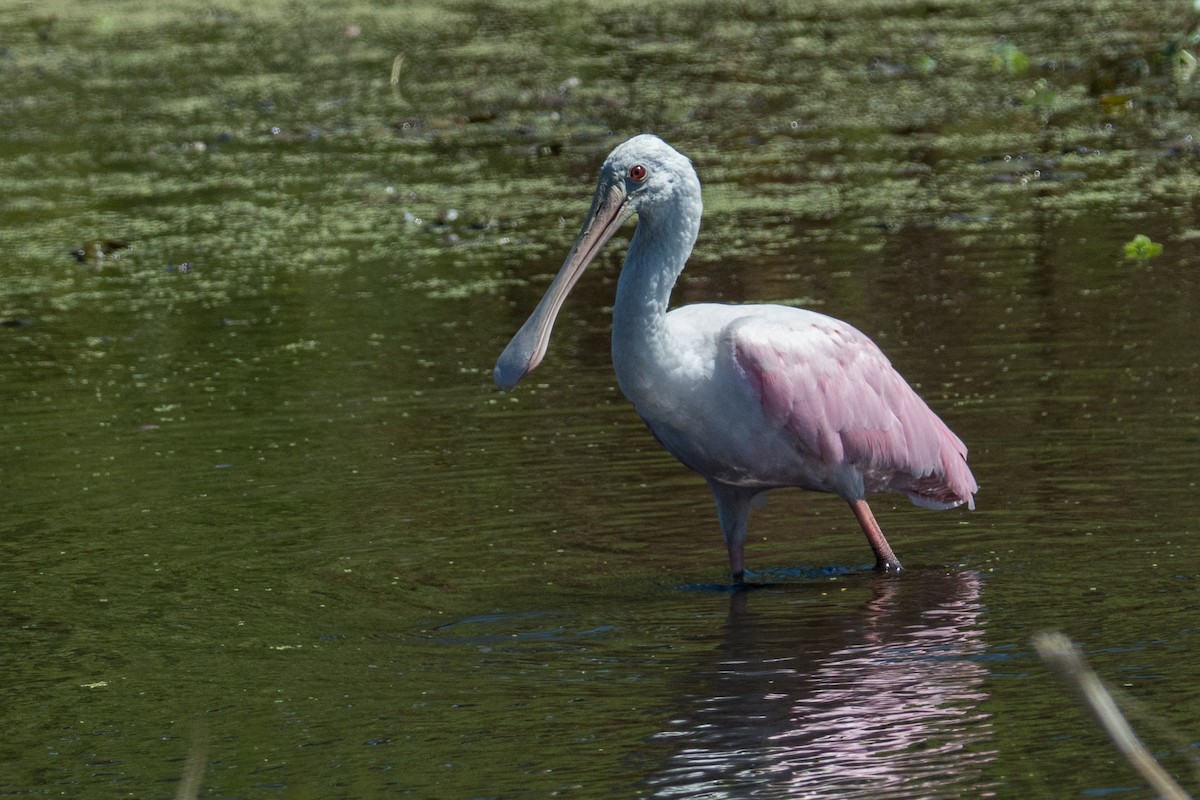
(1185, 66)
(1008, 58)
(1141, 248)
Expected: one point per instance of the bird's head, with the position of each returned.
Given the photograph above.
(639, 177)
(647, 173)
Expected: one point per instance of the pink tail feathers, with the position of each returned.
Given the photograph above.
(950, 486)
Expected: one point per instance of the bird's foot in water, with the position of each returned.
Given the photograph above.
(740, 584)
(888, 566)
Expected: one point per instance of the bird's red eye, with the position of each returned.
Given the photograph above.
(637, 172)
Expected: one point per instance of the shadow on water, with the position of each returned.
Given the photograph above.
(775, 578)
(879, 702)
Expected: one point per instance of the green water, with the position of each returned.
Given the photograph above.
(262, 505)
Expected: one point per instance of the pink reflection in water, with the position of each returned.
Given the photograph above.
(880, 704)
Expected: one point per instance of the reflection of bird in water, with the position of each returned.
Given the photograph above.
(752, 397)
(890, 708)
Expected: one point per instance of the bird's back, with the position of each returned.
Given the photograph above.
(802, 399)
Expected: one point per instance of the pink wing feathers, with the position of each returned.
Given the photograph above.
(832, 388)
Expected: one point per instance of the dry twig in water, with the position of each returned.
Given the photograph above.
(1058, 651)
(193, 768)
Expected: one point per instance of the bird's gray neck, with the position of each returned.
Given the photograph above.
(657, 254)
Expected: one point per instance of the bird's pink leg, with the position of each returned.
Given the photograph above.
(885, 558)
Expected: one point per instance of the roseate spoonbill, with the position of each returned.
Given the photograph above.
(752, 397)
